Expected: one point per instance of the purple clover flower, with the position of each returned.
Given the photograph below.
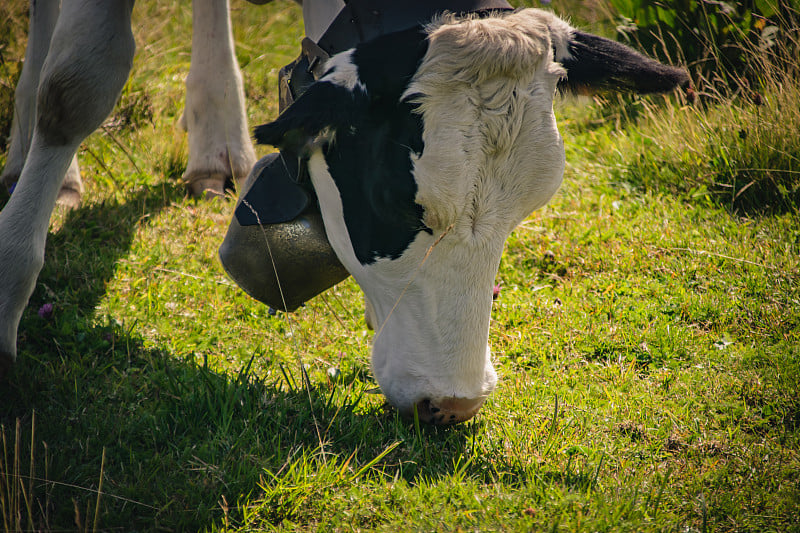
(46, 311)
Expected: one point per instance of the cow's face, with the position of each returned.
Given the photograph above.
(429, 147)
(471, 158)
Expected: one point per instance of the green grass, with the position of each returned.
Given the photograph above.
(647, 337)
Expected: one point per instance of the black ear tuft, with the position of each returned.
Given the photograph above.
(277, 135)
(600, 63)
(323, 105)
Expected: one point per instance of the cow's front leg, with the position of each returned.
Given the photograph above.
(86, 67)
(220, 148)
(43, 16)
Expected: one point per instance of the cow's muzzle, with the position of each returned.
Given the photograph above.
(448, 410)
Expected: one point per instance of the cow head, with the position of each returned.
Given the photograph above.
(426, 147)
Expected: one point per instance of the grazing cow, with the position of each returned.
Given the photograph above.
(426, 147)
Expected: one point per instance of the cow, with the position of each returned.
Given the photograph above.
(425, 145)
(425, 148)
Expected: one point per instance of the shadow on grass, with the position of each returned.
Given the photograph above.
(81, 256)
(171, 438)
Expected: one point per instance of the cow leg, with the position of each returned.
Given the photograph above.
(220, 148)
(86, 67)
(43, 16)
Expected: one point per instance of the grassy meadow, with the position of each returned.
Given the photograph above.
(646, 335)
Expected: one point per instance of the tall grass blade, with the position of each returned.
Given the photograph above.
(31, 471)
(5, 494)
(99, 491)
(553, 428)
(593, 484)
(375, 461)
(17, 480)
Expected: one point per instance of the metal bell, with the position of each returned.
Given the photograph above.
(276, 254)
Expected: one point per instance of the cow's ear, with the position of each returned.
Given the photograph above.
(322, 105)
(374, 73)
(598, 63)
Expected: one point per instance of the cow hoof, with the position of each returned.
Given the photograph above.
(207, 186)
(448, 410)
(69, 197)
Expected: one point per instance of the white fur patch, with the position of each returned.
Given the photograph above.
(341, 71)
(492, 151)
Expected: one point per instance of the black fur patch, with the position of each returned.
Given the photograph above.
(375, 135)
(600, 63)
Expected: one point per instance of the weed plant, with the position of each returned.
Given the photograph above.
(716, 40)
(646, 335)
(735, 138)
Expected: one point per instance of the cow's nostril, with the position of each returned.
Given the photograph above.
(448, 410)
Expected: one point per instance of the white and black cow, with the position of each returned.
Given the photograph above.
(426, 147)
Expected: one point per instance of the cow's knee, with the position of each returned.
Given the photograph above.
(78, 89)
